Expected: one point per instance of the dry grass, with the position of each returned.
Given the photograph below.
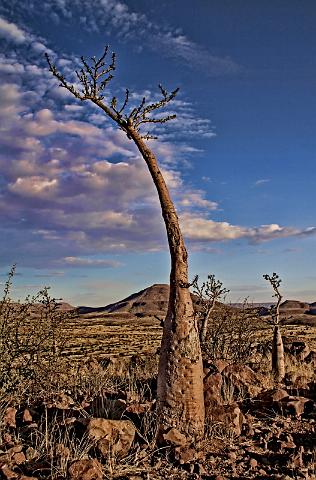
(108, 336)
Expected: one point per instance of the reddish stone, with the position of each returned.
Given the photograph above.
(228, 415)
(85, 470)
(10, 417)
(8, 473)
(114, 435)
(213, 390)
(295, 405)
(27, 417)
(19, 458)
(175, 438)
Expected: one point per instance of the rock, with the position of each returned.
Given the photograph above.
(24, 477)
(19, 458)
(311, 358)
(31, 453)
(114, 435)
(221, 365)
(13, 456)
(269, 397)
(213, 390)
(299, 349)
(85, 470)
(139, 408)
(27, 417)
(10, 417)
(8, 473)
(7, 439)
(229, 415)
(296, 405)
(186, 455)
(175, 438)
(244, 380)
(232, 456)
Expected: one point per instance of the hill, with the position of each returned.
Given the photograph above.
(149, 302)
(294, 306)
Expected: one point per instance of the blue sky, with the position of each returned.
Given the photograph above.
(78, 210)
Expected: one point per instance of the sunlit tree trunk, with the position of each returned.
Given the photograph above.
(278, 362)
(180, 376)
(278, 365)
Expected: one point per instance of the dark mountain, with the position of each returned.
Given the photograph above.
(152, 301)
(294, 306)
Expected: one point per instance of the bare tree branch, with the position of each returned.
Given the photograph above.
(94, 76)
(275, 282)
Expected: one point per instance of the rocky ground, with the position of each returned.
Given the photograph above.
(78, 393)
(102, 424)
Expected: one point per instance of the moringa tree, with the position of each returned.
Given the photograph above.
(208, 294)
(278, 365)
(180, 377)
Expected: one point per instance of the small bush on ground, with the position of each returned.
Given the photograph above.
(31, 341)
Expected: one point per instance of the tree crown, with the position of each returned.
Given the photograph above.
(94, 76)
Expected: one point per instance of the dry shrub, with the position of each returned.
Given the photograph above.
(56, 446)
(31, 342)
(231, 333)
(298, 372)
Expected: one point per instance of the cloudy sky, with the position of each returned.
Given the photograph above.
(78, 209)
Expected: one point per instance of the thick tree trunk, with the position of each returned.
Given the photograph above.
(278, 366)
(180, 376)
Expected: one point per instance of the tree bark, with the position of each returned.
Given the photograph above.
(278, 365)
(180, 400)
(205, 320)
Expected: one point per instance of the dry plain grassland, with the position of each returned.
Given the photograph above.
(106, 335)
(103, 335)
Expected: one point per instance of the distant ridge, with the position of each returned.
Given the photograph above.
(153, 301)
(294, 306)
(150, 301)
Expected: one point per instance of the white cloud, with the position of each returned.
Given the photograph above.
(34, 186)
(262, 181)
(12, 32)
(197, 199)
(90, 262)
(118, 19)
(199, 228)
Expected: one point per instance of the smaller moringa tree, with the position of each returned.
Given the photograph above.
(180, 401)
(278, 364)
(208, 294)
